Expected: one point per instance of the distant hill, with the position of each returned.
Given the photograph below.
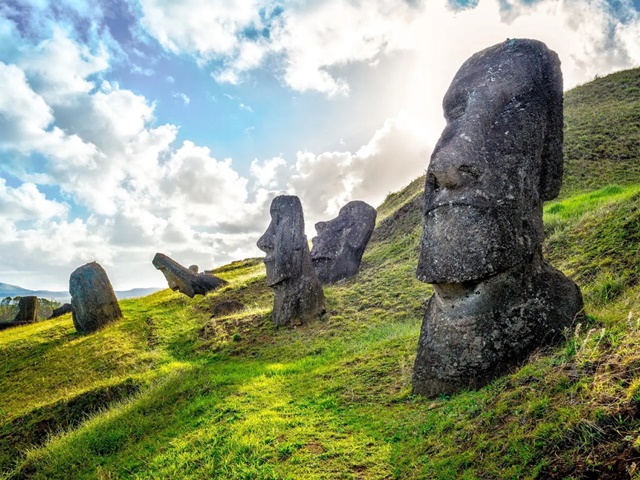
(7, 290)
(11, 289)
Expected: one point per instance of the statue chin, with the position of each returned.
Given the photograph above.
(463, 243)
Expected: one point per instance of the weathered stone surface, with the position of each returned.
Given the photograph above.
(194, 268)
(27, 310)
(338, 248)
(298, 295)
(500, 156)
(57, 312)
(93, 302)
(184, 279)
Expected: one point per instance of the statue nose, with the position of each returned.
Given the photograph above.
(449, 171)
(265, 242)
(321, 226)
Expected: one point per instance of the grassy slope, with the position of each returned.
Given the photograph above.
(169, 393)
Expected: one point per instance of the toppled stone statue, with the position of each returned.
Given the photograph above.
(184, 279)
(93, 302)
(298, 295)
(61, 310)
(27, 310)
(338, 248)
(496, 299)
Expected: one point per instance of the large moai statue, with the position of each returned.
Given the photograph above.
(496, 299)
(93, 301)
(337, 250)
(298, 295)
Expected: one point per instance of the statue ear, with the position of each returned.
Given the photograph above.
(552, 158)
(358, 238)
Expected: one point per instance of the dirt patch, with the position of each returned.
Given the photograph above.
(612, 456)
(238, 334)
(315, 448)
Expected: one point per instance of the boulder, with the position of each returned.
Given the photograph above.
(93, 302)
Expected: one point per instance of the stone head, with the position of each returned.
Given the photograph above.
(284, 241)
(340, 242)
(498, 158)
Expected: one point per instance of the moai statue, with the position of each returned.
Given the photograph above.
(496, 299)
(186, 280)
(27, 310)
(298, 295)
(93, 301)
(338, 248)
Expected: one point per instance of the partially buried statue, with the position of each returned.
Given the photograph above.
(338, 248)
(496, 299)
(93, 301)
(298, 295)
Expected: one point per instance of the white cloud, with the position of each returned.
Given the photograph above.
(58, 67)
(271, 174)
(313, 41)
(183, 97)
(24, 115)
(395, 155)
(27, 203)
(200, 27)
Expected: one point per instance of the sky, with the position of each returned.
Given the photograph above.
(130, 127)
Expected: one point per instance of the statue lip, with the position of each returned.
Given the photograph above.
(479, 205)
(321, 257)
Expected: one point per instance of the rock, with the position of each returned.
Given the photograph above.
(57, 312)
(185, 280)
(338, 248)
(227, 307)
(27, 310)
(298, 295)
(194, 268)
(93, 302)
(496, 299)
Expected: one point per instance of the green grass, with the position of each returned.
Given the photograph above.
(602, 132)
(169, 392)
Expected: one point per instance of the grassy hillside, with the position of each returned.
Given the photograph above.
(602, 132)
(169, 392)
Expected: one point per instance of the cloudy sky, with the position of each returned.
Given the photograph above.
(130, 127)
